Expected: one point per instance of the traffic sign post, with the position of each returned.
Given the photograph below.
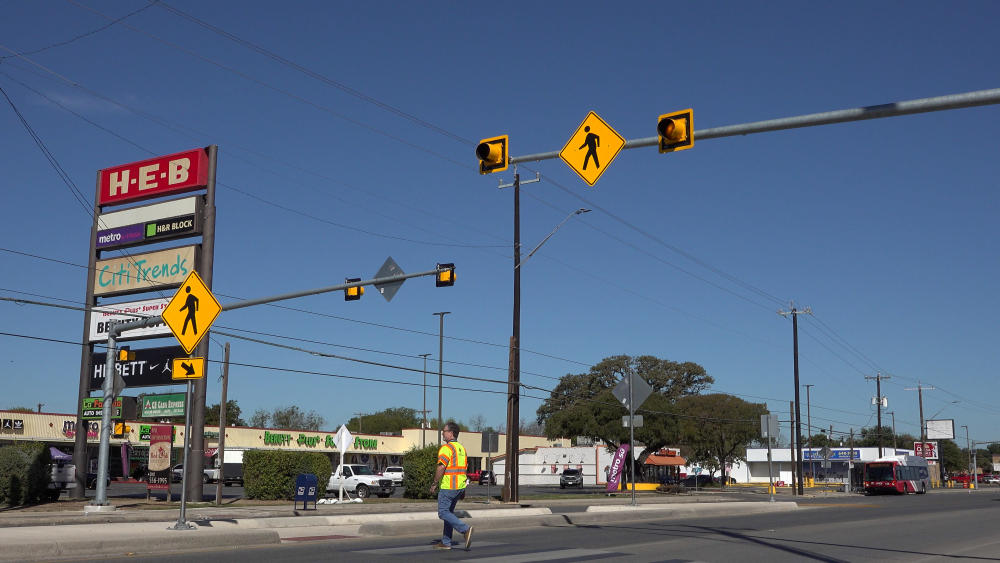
(188, 368)
(592, 148)
(191, 312)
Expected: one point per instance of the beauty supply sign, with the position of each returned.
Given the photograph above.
(156, 177)
(101, 317)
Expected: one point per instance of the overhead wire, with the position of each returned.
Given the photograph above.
(331, 82)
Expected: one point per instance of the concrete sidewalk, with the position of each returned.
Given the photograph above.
(64, 534)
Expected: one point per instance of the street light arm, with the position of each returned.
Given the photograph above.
(547, 237)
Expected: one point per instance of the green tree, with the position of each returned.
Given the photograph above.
(392, 420)
(232, 414)
(583, 405)
(21, 409)
(952, 457)
(291, 417)
(718, 428)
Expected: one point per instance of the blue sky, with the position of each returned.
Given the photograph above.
(886, 229)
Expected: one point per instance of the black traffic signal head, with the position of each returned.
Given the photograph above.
(353, 293)
(676, 131)
(493, 154)
(445, 278)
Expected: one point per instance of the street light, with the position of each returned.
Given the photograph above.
(440, 369)
(423, 425)
(547, 237)
(968, 447)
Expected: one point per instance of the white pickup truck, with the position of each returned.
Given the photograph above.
(361, 481)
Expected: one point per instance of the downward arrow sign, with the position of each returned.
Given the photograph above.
(188, 369)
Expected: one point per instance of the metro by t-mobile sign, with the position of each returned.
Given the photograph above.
(156, 177)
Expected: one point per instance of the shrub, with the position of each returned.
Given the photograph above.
(671, 489)
(270, 475)
(418, 472)
(24, 473)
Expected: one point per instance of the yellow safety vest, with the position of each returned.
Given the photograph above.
(452, 456)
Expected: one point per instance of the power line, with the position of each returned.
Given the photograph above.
(321, 77)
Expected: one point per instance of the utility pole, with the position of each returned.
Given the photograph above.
(440, 370)
(809, 432)
(920, 398)
(878, 377)
(791, 443)
(359, 415)
(222, 428)
(798, 408)
(893, 415)
(850, 463)
(514, 364)
(423, 425)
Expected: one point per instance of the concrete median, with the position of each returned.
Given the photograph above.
(28, 543)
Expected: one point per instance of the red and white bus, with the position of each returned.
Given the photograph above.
(897, 474)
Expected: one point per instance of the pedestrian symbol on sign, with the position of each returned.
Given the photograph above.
(592, 141)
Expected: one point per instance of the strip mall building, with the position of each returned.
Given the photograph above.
(131, 450)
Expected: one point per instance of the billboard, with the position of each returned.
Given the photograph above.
(144, 272)
(941, 429)
(151, 366)
(156, 177)
(927, 450)
(149, 223)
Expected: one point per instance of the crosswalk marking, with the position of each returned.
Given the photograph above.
(545, 556)
(459, 546)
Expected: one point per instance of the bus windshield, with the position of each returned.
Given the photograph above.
(879, 472)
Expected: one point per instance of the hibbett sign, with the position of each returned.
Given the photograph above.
(160, 176)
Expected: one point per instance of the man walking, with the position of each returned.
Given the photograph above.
(449, 482)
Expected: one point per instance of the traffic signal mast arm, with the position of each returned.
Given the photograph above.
(339, 287)
(922, 105)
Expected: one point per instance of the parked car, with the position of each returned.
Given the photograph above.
(208, 474)
(701, 480)
(992, 479)
(487, 477)
(232, 474)
(571, 478)
(360, 480)
(473, 476)
(92, 481)
(395, 473)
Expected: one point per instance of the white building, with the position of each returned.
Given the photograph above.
(835, 468)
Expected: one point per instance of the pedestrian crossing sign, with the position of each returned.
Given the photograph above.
(191, 312)
(592, 148)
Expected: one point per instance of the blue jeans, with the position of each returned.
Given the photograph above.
(447, 499)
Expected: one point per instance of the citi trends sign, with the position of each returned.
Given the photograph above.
(156, 177)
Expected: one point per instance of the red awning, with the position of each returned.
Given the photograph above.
(667, 460)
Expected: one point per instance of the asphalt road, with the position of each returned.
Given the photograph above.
(942, 525)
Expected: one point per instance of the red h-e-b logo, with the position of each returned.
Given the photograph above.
(163, 175)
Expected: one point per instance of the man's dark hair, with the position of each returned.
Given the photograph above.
(452, 427)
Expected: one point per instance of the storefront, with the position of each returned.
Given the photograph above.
(129, 452)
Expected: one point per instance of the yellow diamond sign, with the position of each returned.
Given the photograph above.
(191, 312)
(188, 368)
(592, 148)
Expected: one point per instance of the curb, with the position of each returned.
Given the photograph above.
(166, 542)
(433, 527)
